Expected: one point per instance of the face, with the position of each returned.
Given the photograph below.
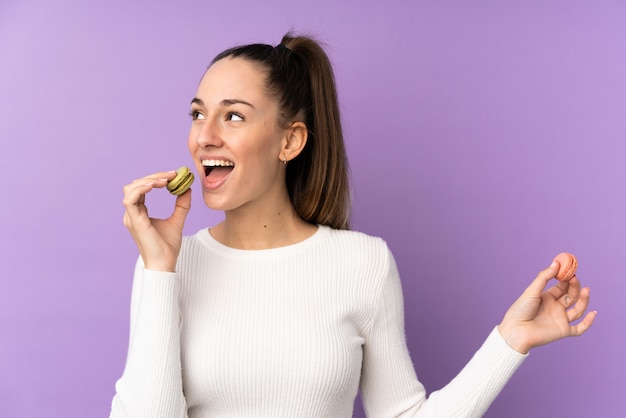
(235, 138)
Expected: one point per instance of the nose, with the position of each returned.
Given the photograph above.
(207, 133)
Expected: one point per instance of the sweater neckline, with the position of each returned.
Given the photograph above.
(205, 237)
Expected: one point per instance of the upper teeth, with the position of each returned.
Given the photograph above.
(217, 163)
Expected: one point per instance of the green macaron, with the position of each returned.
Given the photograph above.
(181, 183)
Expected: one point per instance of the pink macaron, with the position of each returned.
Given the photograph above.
(567, 266)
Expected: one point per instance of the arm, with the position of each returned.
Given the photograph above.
(390, 386)
(151, 385)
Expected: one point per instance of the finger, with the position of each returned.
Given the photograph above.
(135, 192)
(572, 292)
(146, 184)
(584, 325)
(558, 290)
(580, 307)
(134, 201)
(537, 286)
(169, 175)
(181, 208)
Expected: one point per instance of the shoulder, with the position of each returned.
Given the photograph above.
(366, 262)
(356, 238)
(360, 248)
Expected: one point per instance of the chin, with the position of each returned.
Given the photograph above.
(215, 203)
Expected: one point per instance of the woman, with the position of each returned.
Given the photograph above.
(279, 310)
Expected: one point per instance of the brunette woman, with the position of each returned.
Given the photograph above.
(280, 310)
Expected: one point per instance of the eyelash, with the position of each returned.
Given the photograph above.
(231, 114)
(194, 115)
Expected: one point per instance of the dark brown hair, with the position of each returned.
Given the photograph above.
(300, 76)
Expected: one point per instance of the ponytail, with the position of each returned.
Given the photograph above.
(300, 75)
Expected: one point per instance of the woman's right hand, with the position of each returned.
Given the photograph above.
(158, 240)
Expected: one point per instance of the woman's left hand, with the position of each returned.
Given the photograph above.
(540, 316)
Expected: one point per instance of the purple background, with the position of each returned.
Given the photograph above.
(484, 138)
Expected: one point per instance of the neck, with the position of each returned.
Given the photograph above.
(269, 227)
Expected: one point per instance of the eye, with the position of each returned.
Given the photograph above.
(195, 115)
(234, 117)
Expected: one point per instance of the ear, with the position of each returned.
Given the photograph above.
(294, 141)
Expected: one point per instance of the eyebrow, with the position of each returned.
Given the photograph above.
(225, 102)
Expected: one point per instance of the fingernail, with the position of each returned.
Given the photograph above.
(553, 264)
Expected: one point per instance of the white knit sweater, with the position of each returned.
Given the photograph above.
(286, 332)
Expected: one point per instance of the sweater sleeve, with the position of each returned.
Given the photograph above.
(151, 385)
(389, 385)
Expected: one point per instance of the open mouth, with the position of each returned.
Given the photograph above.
(215, 170)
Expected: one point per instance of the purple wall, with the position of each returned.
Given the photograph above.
(483, 139)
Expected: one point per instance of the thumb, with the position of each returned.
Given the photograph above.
(181, 208)
(543, 277)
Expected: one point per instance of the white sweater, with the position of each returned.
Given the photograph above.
(286, 332)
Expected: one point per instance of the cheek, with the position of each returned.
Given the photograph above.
(191, 144)
(263, 149)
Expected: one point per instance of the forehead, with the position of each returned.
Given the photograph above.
(233, 78)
